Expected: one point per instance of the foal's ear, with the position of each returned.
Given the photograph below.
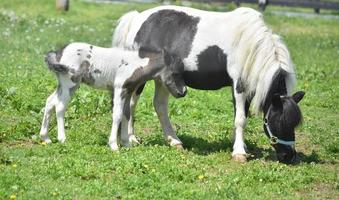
(276, 101)
(298, 96)
(168, 58)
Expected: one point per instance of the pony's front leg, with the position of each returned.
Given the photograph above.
(50, 103)
(117, 115)
(160, 102)
(239, 153)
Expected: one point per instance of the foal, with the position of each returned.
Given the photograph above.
(113, 69)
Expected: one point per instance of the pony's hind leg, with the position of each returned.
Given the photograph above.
(50, 103)
(160, 102)
(239, 153)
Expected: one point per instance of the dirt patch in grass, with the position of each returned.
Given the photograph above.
(319, 191)
(148, 130)
(308, 151)
(21, 143)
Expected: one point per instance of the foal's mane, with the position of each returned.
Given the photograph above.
(260, 54)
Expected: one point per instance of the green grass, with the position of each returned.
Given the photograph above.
(85, 168)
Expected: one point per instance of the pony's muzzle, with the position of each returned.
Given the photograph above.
(287, 157)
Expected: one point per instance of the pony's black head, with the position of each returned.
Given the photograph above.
(172, 75)
(281, 119)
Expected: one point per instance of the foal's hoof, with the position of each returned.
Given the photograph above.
(240, 158)
(62, 140)
(46, 139)
(133, 140)
(179, 147)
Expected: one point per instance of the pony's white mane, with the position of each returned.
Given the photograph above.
(260, 54)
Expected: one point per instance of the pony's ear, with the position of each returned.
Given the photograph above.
(298, 96)
(276, 101)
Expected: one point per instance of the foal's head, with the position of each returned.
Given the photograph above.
(168, 68)
(281, 119)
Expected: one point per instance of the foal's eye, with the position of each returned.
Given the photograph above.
(176, 74)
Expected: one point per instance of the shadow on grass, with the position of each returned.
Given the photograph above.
(194, 144)
(311, 158)
(270, 155)
(204, 147)
(260, 153)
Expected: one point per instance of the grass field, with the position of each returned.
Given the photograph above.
(85, 168)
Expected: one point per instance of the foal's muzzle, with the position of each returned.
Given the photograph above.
(182, 93)
(178, 93)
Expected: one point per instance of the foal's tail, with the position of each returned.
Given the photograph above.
(121, 31)
(52, 61)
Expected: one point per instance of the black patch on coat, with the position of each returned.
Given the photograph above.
(123, 63)
(168, 30)
(240, 87)
(59, 68)
(60, 52)
(97, 71)
(88, 56)
(52, 59)
(247, 104)
(91, 47)
(212, 70)
(87, 74)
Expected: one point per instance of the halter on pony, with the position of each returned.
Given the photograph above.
(275, 139)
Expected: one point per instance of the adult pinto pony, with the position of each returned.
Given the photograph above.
(222, 49)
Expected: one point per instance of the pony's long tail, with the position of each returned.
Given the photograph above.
(121, 31)
(53, 64)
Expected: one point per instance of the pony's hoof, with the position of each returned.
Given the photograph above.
(114, 147)
(240, 158)
(179, 147)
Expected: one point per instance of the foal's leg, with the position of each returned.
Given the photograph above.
(240, 109)
(117, 115)
(50, 103)
(63, 97)
(160, 102)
